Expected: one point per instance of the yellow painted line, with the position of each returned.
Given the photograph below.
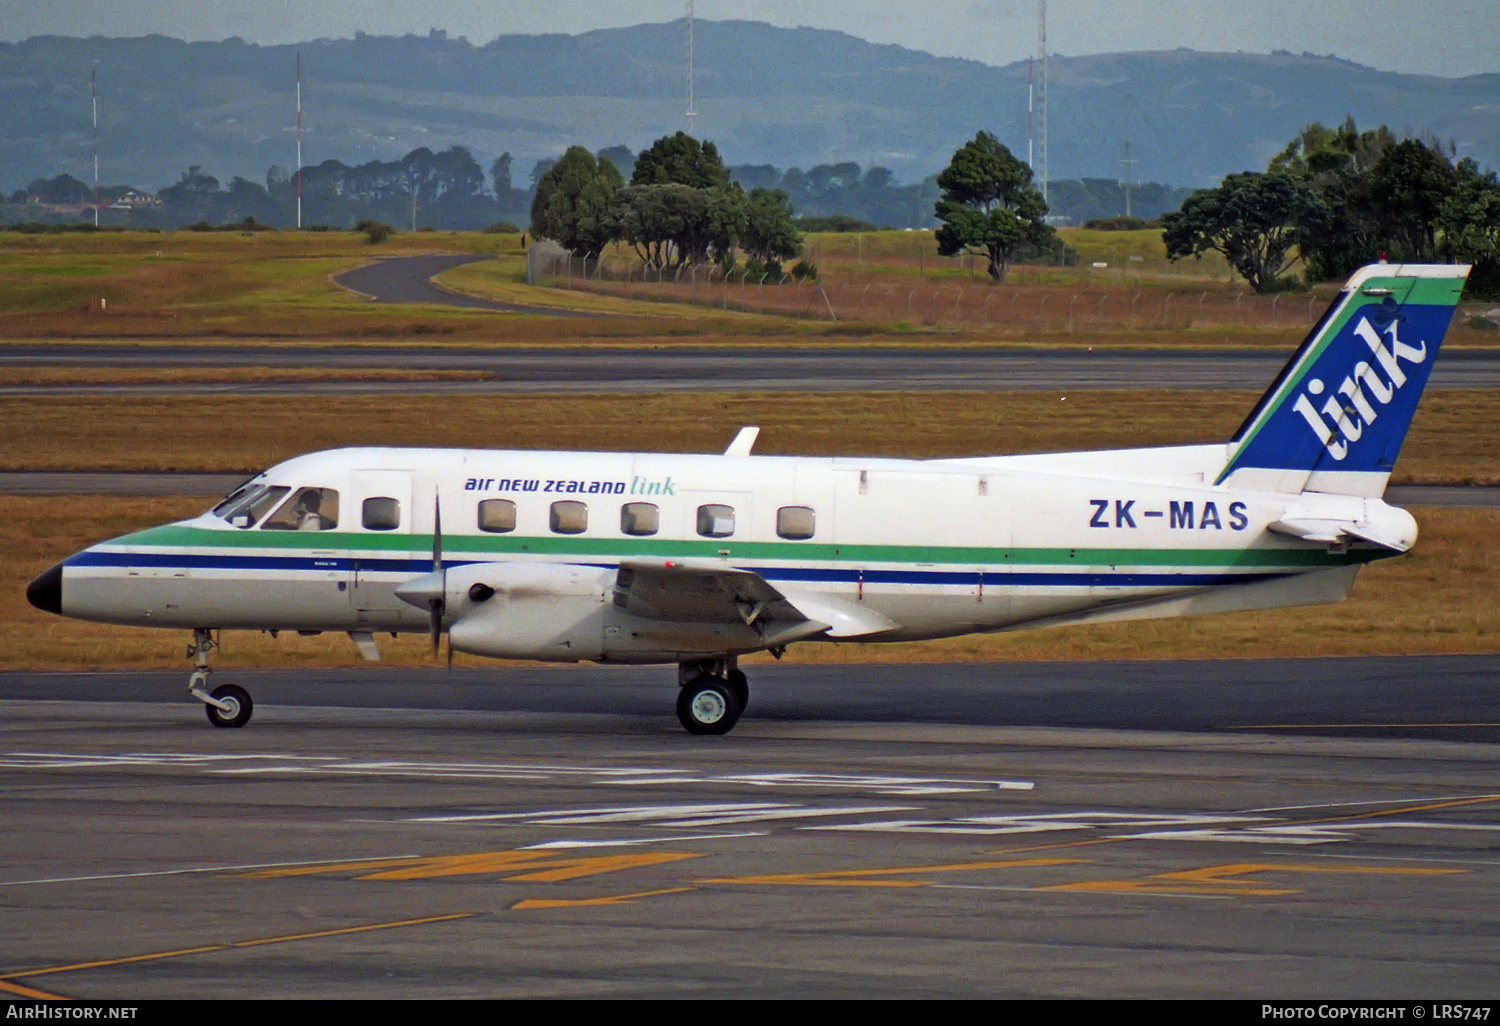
(20, 990)
(230, 945)
(861, 877)
(1405, 809)
(1223, 880)
(124, 960)
(351, 929)
(612, 899)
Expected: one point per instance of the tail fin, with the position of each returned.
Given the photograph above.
(1335, 418)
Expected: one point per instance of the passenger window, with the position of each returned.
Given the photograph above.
(380, 513)
(716, 521)
(309, 509)
(639, 518)
(795, 522)
(497, 516)
(569, 517)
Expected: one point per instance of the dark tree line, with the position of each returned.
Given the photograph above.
(680, 208)
(1337, 198)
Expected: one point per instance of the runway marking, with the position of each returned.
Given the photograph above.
(1371, 801)
(1034, 823)
(882, 877)
(530, 866)
(21, 990)
(674, 816)
(274, 763)
(183, 872)
(527, 904)
(623, 842)
(231, 945)
(1426, 807)
(1227, 879)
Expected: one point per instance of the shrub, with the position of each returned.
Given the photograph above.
(375, 231)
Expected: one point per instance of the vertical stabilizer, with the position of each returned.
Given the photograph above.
(1335, 418)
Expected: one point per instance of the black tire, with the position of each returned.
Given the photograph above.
(740, 685)
(239, 698)
(707, 705)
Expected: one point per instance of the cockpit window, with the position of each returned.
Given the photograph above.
(251, 504)
(310, 509)
(233, 498)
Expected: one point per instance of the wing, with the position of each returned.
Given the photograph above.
(704, 591)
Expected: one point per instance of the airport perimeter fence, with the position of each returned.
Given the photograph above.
(953, 303)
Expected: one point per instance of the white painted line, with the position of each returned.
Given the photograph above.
(1376, 801)
(685, 838)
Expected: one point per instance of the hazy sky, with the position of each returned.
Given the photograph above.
(1449, 37)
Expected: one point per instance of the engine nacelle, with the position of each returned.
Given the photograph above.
(528, 610)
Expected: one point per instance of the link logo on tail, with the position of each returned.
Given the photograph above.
(1336, 417)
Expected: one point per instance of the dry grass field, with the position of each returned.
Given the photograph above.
(1452, 437)
(884, 286)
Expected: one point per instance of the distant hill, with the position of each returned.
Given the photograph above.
(765, 95)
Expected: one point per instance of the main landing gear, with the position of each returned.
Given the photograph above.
(713, 695)
(227, 705)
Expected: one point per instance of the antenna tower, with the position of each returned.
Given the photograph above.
(692, 111)
(94, 97)
(1128, 161)
(299, 141)
(1042, 122)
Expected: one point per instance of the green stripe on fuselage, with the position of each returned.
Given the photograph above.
(462, 546)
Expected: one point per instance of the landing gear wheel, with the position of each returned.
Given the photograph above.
(707, 705)
(740, 685)
(238, 701)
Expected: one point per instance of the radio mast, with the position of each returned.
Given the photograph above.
(94, 97)
(1042, 121)
(299, 141)
(691, 109)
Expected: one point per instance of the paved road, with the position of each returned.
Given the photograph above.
(409, 280)
(1302, 830)
(693, 368)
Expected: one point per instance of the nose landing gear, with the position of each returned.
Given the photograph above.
(227, 705)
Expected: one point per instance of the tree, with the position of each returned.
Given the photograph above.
(1470, 227)
(989, 206)
(500, 175)
(675, 225)
(621, 157)
(682, 160)
(574, 201)
(1408, 186)
(769, 234)
(1251, 218)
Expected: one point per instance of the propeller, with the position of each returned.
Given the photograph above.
(437, 602)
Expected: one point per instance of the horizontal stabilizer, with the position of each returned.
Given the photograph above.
(1339, 520)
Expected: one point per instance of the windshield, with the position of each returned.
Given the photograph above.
(240, 491)
(249, 504)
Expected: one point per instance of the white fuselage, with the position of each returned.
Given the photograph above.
(907, 549)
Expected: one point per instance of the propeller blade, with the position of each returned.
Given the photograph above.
(436, 606)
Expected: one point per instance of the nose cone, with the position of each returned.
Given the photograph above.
(46, 591)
